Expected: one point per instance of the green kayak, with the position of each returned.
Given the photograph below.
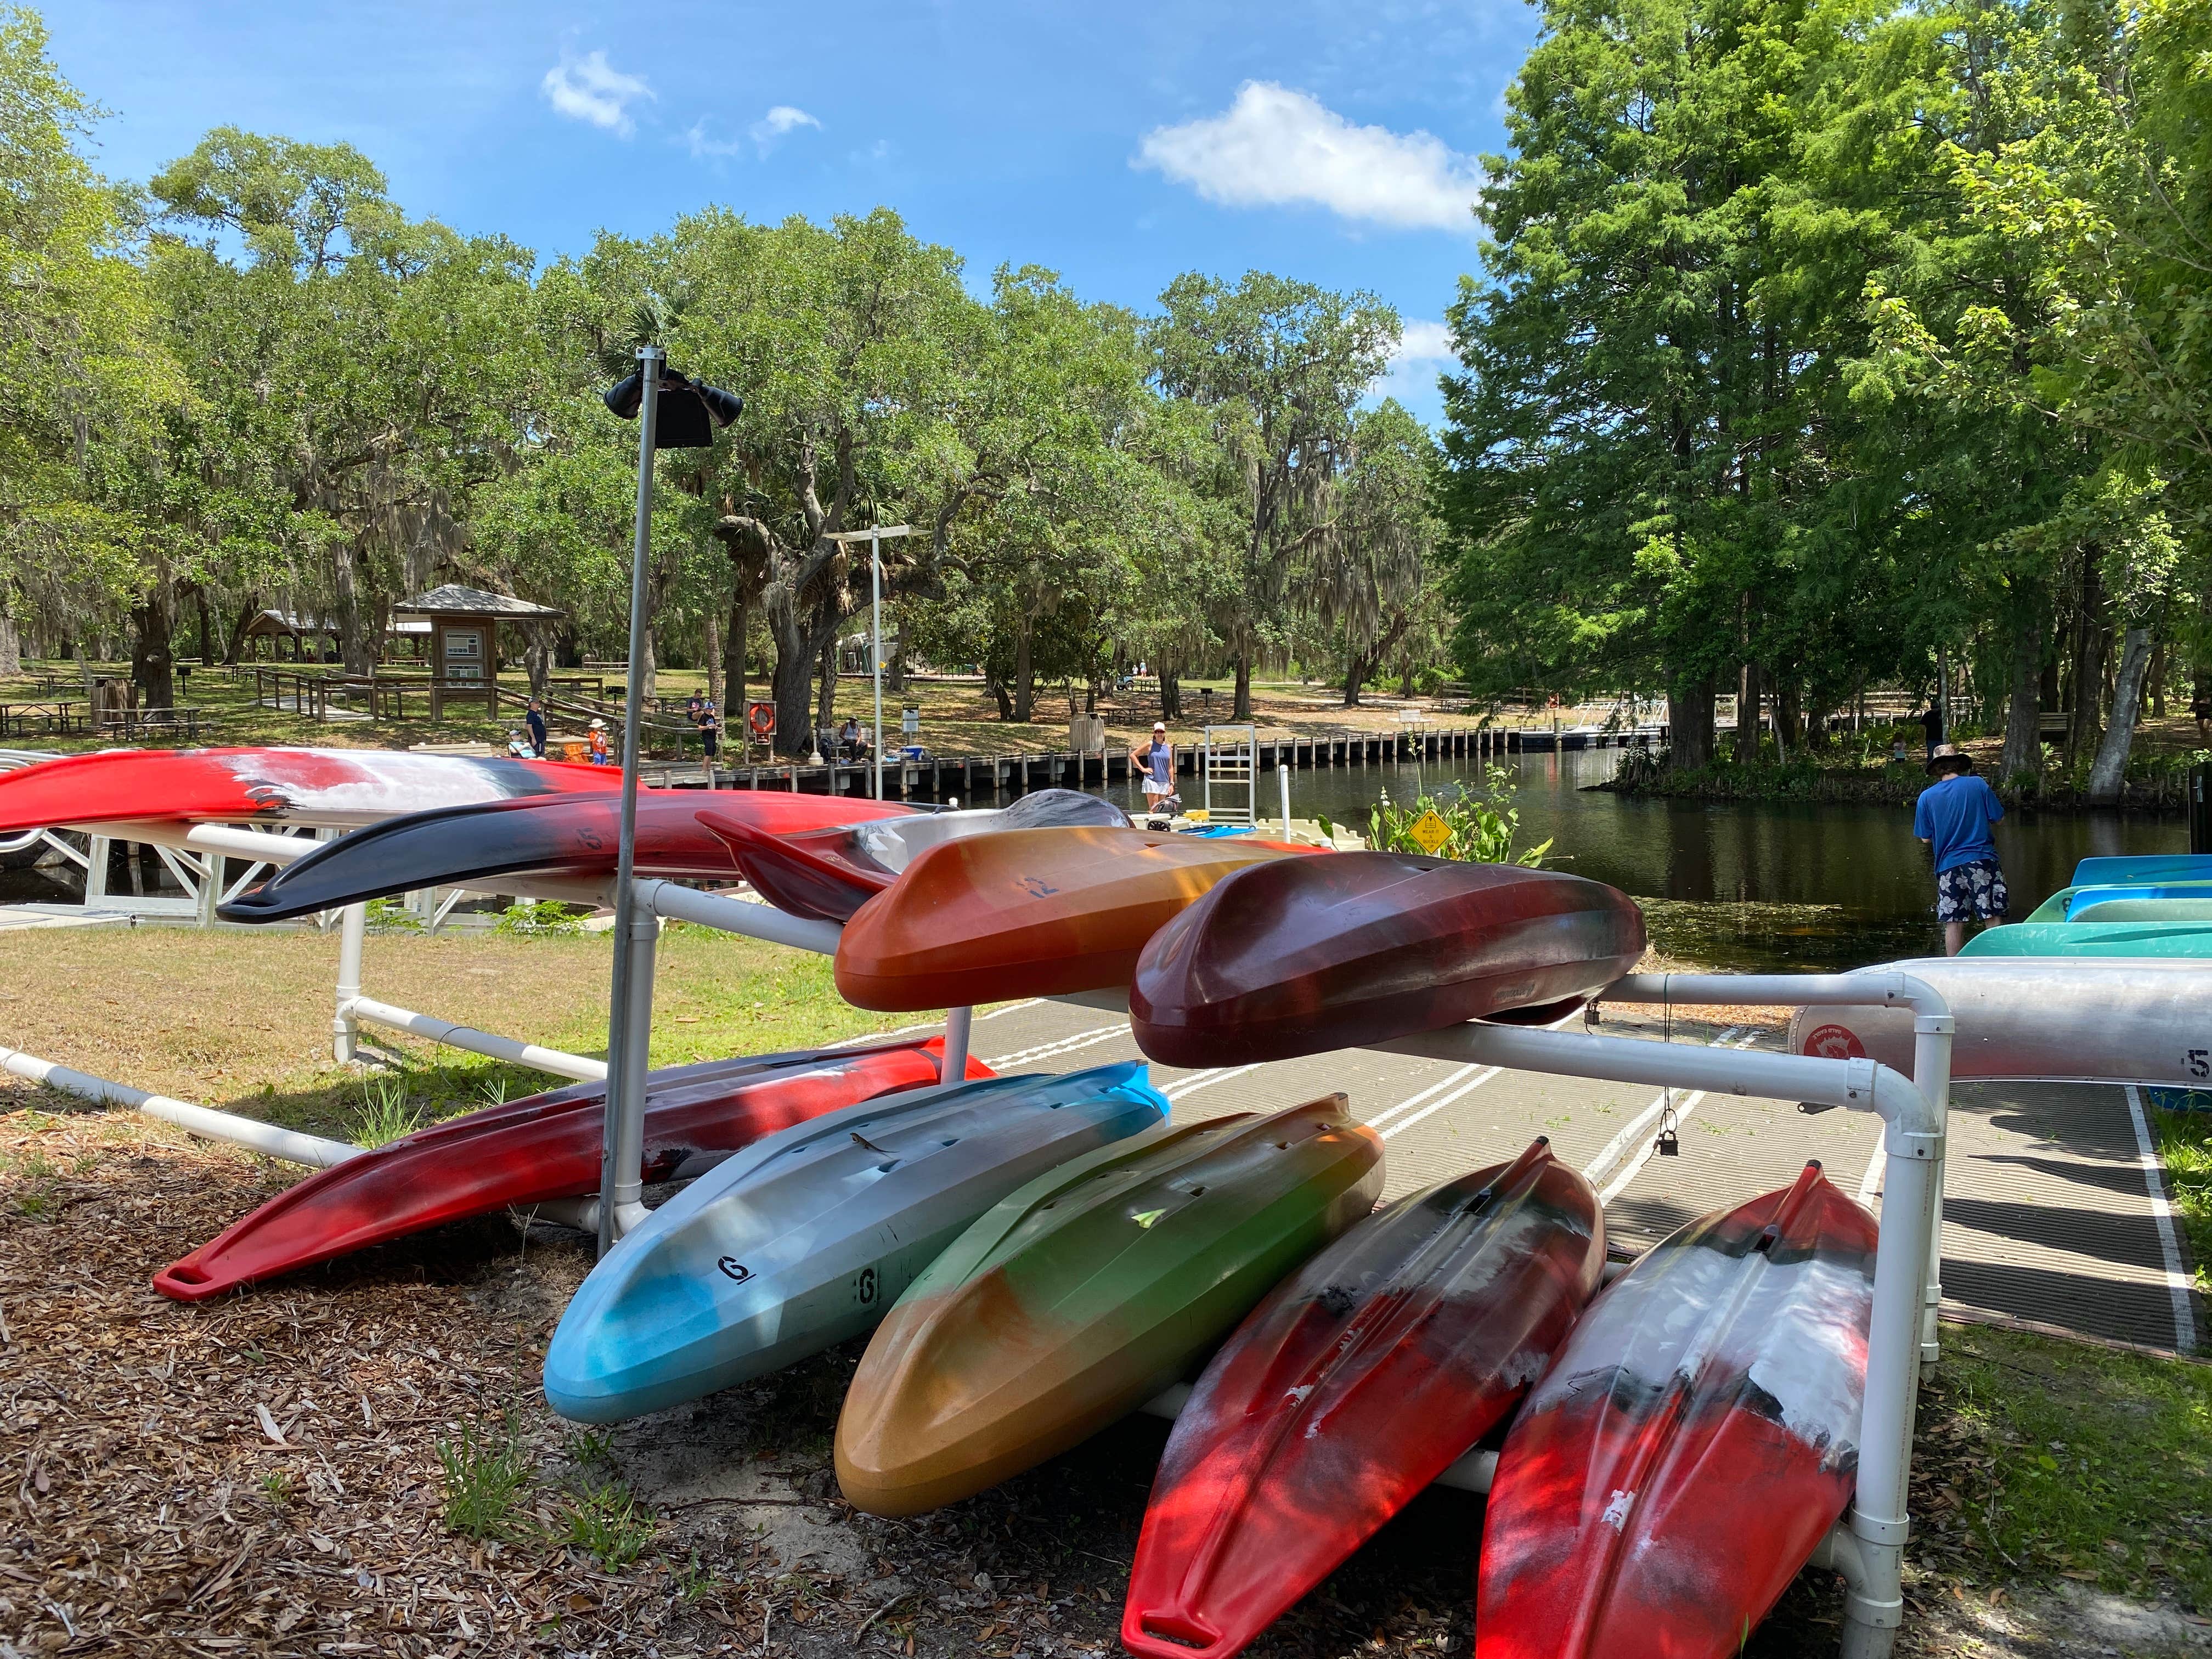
(2177, 938)
(2072, 904)
(1087, 1292)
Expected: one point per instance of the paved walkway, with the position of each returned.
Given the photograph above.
(2054, 1214)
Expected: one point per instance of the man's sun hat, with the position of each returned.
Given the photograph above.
(1944, 752)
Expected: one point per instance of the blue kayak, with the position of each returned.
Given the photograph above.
(2150, 866)
(806, 1238)
(2144, 900)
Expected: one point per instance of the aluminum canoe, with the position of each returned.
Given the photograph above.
(1693, 1441)
(1089, 1292)
(538, 1149)
(324, 788)
(1362, 1377)
(1303, 955)
(575, 838)
(1028, 913)
(827, 874)
(806, 1238)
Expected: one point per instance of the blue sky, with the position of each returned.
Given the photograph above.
(1118, 143)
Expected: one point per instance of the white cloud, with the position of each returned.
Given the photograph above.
(1274, 147)
(778, 122)
(1425, 351)
(705, 147)
(592, 89)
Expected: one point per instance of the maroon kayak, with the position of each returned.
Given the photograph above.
(530, 1151)
(1302, 956)
(1361, 1378)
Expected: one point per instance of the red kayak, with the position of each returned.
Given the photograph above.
(575, 837)
(1695, 1440)
(545, 1147)
(336, 788)
(1360, 1379)
(1302, 956)
(827, 874)
(1027, 914)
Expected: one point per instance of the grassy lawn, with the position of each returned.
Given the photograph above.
(2044, 1461)
(241, 1020)
(2185, 1141)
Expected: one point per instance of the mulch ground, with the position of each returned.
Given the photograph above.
(261, 1474)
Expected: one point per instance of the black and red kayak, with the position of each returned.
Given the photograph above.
(1360, 1379)
(574, 837)
(1693, 1443)
(1302, 956)
(338, 788)
(827, 874)
(533, 1150)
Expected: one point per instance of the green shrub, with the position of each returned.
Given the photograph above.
(483, 1475)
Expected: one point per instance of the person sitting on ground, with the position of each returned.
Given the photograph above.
(1954, 816)
(518, 745)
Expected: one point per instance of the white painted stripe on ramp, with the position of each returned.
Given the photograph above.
(1620, 1183)
(1097, 1033)
(1870, 1183)
(1450, 1079)
(2162, 1213)
(1617, 1148)
(1458, 1094)
(1184, 1088)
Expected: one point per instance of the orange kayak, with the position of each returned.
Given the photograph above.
(1027, 913)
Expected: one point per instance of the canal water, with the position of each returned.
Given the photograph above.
(1742, 885)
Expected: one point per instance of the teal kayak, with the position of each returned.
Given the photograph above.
(2067, 903)
(2093, 938)
(2148, 867)
(807, 1237)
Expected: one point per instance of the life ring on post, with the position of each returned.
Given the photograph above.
(760, 717)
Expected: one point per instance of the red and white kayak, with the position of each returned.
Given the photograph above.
(1360, 1379)
(338, 788)
(575, 837)
(531, 1151)
(1693, 1443)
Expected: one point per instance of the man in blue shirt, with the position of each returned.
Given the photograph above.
(1954, 816)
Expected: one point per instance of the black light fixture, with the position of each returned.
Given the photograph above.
(690, 411)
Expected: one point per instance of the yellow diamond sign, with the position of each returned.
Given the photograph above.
(1430, 832)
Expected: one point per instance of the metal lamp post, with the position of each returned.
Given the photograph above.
(698, 412)
(875, 536)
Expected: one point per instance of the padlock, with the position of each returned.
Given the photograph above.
(1670, 1145)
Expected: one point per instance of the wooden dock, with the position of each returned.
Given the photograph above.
(948, 777)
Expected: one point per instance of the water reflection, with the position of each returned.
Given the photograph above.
(1748, 885)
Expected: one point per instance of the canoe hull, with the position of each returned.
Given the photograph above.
(328, 788)
(535, 1150)
(2152, 866)
(1692, 1443)
(806, 1238)
(576, 838)
(1087, 1292)
(1302, 957)
(1361, 1378)
(1028, 913)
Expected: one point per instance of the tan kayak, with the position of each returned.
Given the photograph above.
(1027, 913)
(1090, 1290)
